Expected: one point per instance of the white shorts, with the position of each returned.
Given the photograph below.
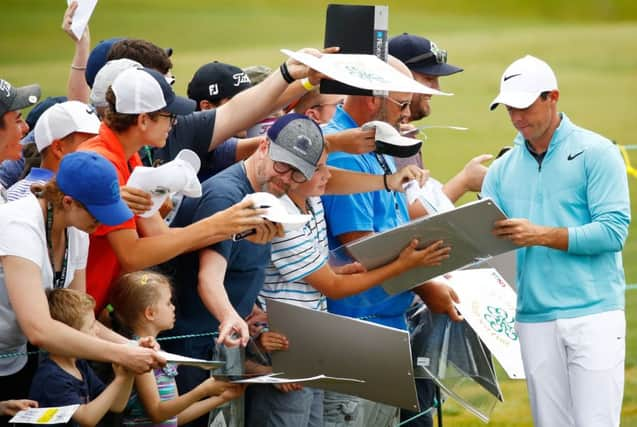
(575, 369)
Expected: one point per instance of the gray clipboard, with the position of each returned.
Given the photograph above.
(466, 229)
(339, 346)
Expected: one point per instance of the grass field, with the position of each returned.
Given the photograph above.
(591, 45)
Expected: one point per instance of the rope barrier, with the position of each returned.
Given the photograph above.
(172, 337)
(425, 412)
(629, 168)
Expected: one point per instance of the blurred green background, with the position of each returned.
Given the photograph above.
(591, 45)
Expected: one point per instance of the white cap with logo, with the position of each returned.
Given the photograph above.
(64, 119)
(523, 81)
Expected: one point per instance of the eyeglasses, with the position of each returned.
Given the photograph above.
(336, 104)
(283, 168)
(434, 52)
(172, 117)
(402, 104)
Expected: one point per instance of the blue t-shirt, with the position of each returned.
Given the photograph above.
(374, 211)
(247, 261)
(53, 386)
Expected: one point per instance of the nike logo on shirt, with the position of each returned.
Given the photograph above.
(572, 156)
(511, 76)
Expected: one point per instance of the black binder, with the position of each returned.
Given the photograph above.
(355, 29)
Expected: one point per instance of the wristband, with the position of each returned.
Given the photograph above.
(77, 67)
(286, 73)
(307, 84)
(385, 182)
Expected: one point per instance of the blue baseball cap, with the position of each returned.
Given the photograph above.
(421, 55)
(97, 58)
(92, 180)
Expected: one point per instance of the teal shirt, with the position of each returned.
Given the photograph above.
(581, 185)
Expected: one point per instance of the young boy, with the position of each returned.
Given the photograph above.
(63, 380)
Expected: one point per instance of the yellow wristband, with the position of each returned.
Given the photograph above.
(307, 84)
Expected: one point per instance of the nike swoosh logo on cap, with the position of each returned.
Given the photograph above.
(511, 76)
(572, 156)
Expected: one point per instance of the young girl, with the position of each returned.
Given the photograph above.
(143, 306)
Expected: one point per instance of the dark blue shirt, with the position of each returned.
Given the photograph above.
(245, 271)
(53, 386)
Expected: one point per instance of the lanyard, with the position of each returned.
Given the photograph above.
(58, 279)
(383, 164)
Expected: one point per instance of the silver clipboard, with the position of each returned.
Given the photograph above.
(466, 229)
(339, 346)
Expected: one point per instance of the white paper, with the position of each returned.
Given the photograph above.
(272, 379)
(362, 71)
(176, 176)
(488, 304)
(430, 195)
(53, 415)
(189, 361)
(82, 16)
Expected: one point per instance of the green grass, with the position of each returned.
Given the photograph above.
(591, 45)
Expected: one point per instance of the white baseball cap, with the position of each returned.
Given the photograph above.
(144, 90)
(390, 141)
(64, 119)
(276, 211)
(105, 77)
(523, 81)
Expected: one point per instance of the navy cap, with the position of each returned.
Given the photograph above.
(216, 81)
(421, 55)
(97, 58)
(92, 180)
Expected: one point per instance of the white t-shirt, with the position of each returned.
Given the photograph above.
(296, 255)
(23, 234)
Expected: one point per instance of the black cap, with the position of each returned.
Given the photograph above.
(216, 81)
(421, 55)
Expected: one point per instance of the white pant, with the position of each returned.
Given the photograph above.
(575, 369)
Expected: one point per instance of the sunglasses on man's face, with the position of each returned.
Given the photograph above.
(402, 104)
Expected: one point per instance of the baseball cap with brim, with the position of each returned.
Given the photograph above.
(390, 141)
(64, 119)
(276, 211)
(421, 55)
(90, 179)
(16, 98)
(523, 81)
(105, 77)
(297, 141)
(144, 90)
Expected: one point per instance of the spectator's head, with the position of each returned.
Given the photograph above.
(315, 186)
(528, 89)
(142, 99)
(73, 308)
(216, 83)
(85, 192)
(97, 58)
(142, 299)
(62, 128)
(104, 79)
(41, 107)
(318, 106)
(146, 53)
(12, 126)
(393, 108)
(288, 155)
(427, 62)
